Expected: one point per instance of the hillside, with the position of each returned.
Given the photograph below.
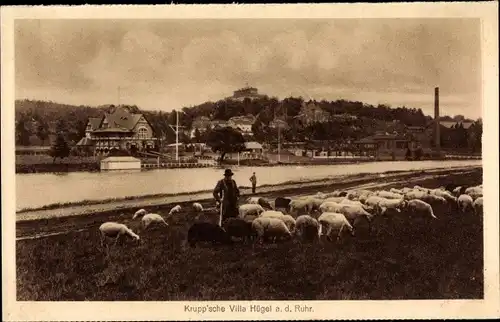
(36, 121)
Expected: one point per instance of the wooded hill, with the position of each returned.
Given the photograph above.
(38, 121)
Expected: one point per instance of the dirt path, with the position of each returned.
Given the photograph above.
(46, 227)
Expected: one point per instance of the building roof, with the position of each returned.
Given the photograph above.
(253, 145)
(85, 141)
(121, 159)
(449, 124)
(121, 118)
(95, 122)
(113, 129)
(367, 140)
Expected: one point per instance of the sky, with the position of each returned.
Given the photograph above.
(173, 63)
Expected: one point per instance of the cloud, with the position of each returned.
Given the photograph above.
(166, 64)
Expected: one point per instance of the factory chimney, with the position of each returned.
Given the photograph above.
(436, 119)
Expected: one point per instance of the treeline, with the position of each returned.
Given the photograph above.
(42, 120)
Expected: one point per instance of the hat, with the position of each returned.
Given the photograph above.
(228, 172)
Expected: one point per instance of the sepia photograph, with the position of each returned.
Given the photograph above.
(197, 158)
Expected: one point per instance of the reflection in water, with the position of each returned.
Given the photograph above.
(39, 189)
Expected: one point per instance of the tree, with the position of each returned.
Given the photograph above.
(197, 136)
(42, 131)
(225, 140)
(60, 149)
(22, 132)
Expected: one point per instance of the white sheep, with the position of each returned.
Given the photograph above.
(197, 207)
(478, 206)
(330, 221)
(351, 202)
(416, 206)
(253, 200)
(353, 212)
(140, 212)
(444, 194)
(406, 190)
(334, 199)
(113, 229)
(287, 219)
(330, 206)
(394, 190)
(270, 227)
(465, 202)
(249, 210)
(297, 205)
(456, 191)
(175, 209)
(320, 195)
(374, 200)
(474, 192)
(388, 194)
(414, 194)
(153, 218)
(305, 224)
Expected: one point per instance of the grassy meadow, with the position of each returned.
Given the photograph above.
(442, 259)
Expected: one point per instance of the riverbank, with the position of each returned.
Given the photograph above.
(409, 261)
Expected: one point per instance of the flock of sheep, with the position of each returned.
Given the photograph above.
(311, 217)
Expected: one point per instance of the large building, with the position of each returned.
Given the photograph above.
(118, 130)
(246, 92)
(242, 124)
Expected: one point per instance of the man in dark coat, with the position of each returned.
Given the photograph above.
(253, 180)
(227, 191)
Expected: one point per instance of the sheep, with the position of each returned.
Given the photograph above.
(416, 206)
(287, 219)
(197, 207)
(298, 205)
(282, 203)
(247, 210)
(330, 221)
(405, 190)
(334, 199)
(474, 192)
(320, 195)
(153, 218)
(351, 202)
(374, 200)
(239, 228)
(464, 203)
(394, 190)
(113, 229)
(388, 194)
(460, 190)
(140, 212)
(207, 232)
(307, 228)
(264, 203)
(175, 209)
(337, 193)
(478, 206)
(273, 228)
(253, 200)
(414, 194)
(330, 206)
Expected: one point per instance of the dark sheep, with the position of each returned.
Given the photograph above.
(343, 194)
(282, 203)
(265, 204)
(207, 232)
(239, 228)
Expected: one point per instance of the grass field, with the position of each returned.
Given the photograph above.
(443, 260)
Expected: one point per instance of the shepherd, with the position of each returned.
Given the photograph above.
(253, 180)
(226, 194)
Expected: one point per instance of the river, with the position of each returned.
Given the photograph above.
(40, 189)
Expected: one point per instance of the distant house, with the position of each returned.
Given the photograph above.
(242, 123)
(454, 124)
(311, 113)
(214, 124)
(119, 130)
(246, 92)
(274, 124)
(343, 117)
(384, 144)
